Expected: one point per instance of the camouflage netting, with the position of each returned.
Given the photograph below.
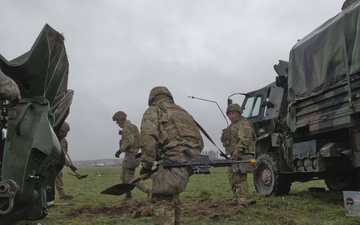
(43, 76)
(322, 58)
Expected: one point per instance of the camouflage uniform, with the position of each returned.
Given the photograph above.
(130, 145)
(166, 131)
(239, 139)
(347, 3)
(58, 179)
(9, 89)
(59, 184)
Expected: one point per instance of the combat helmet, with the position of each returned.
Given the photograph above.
(65, 127)
(119, 115)
(234, 107)
(159, 90)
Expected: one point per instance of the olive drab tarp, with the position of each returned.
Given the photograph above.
(31, 127)
(325, 56)
(43, 71)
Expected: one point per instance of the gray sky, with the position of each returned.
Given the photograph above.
(120, 49)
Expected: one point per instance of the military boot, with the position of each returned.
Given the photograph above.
(64, 196)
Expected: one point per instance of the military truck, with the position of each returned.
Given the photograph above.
(307, 121)
(30, 151)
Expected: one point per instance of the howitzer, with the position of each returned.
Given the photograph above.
(30, 153)
(199, 164)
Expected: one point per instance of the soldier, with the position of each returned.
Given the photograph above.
(347, 3)
(239, 140)
(167, 130)
(64, 129)
(130, 145)
(9, 90)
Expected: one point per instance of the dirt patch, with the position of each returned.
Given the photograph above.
(131, 208)
(203, 208)
(215, 210)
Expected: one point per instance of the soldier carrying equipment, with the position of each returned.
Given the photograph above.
(198, 164)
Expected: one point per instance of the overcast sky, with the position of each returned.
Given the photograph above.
(119, 50)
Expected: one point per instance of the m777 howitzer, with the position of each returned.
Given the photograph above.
(200, 164)
(31, 154)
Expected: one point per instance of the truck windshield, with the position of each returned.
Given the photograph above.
(252, 106)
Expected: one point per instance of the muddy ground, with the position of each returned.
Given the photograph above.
(203, 208)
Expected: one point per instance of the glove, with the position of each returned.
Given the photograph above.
(144, 170)
(73, 168)
(117, 154)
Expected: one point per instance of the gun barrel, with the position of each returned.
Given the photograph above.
(202, 163)
(224, 163)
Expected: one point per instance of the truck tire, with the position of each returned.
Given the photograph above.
(341, 182)
(267, 179)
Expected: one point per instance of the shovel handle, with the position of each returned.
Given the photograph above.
(143, 176)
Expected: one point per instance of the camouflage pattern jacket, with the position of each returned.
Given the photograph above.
(64, 148)
(130, 139)
(239, 137)
(8, 88)
(164, 127)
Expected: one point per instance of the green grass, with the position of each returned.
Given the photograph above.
(203, 200)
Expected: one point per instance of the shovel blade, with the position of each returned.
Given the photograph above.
(78, 176)
(118, 189)
(82, 176)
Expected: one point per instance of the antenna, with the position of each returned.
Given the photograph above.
(212, 102)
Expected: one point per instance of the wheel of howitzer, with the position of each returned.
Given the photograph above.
(267, 179)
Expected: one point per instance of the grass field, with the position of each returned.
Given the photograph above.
(205, 201)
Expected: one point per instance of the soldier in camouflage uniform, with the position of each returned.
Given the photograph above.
(347, 3)
(59, 184)
(239, 140)
(130, 145)
(166, 131)
(9, 90)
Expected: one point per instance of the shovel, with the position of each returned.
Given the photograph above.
(77, 175)
(122, 188)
